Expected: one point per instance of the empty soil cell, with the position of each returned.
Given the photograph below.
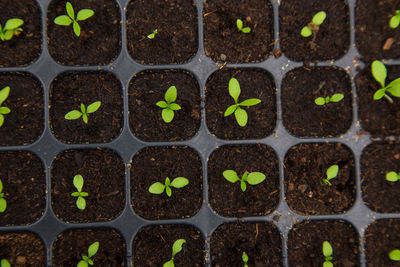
(260, 241)
(69, 247)
(146, 89)
(103, 172)
(22, 249)
(378, 117)
(152, 246)
(25, 123)
(176, 23)
(71, 89)
(26, 48)
(254, 83)
(227, 199)
(378, 193)
(222, 39)
(99, 42)
(154, 164)
(332, 39)
(305, 167)
(301, 116)
(306, 238)
(23, 178)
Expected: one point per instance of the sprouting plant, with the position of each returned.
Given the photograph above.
(331, 173)
(327, 251)
(5, 263)
(168, 106)
(239, 25)
(153, 34)
(76, 114)
(394, 255)
(252, 178)
(86, 260)
(379, 72)
(393, 176)
(395, 20)
(176, 248)
(158, 188)
(3, 202)
(240, 113)
(245, 259)
(78, 183)
(313, 26)
(4, 110)
(66, 20)
(11, 28)
(320, 101)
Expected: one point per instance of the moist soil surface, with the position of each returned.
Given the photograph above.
(306, 238)
(23, 178)
(69, 90)
(261, 242)
(22, 249)
(305, 167)
(146, 89)
(227, 199)
(69, 247)
(223, 41)
(332, 39)
(24, 124)
(378, 117)
(154, 164)
(100, 39)
(103, 172)
(176, 22)
(254, 83)
(378, 193)
(26, 48)
(152, 246)
(301, 116)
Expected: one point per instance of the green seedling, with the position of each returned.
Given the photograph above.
(320, 101)
(245, 259)
(394, 255)
(327, 250)
(11, 28)
(313, 27)
(393, 176)
(168, 106)
(76, 114)
(176, 248)
(331, 173)
(4, 110)
(78, 183)
(3, 202)
(66, 20)
(240, 113)
(379, 72)
(158, 188)
(153, 34)
(395, 20)
(239, 25)
(5, 263)
(86, 260)
(252, 178)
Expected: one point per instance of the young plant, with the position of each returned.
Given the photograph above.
(78, 183)
(66, 20)
(393, 176)
(240, 113)
(4, 110)
(239, 25)
(394, 255)
(252, 178)
(176, 248)
(168, 106)
(3, 202)
(153, 34)
(86, 260)
(11, 28)
(5, 263)
(158, 188)
(379, 72)
(327, 250)
(76, 114)
(331, 173)
(313, 27)
(395, 20)
(245, 259)
(320, 101)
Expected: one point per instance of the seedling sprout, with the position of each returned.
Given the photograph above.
(239, 25)
(168, 106)
(393, 176)
(158, 188)
(327, 251)
(245, 259)
(253, 178)
(76, 114)
(320, 101)
(4, 110)
(379, 72)
(176, 248)
(78, 183)
(3, 202)
(313, 27)
(11, 28)
(86, 260)
(395, 20)
(331, 173)
(5, 263)
(394, 255)
(153, 34)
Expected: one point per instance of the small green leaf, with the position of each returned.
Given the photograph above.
(379, 93)
(318, 18)
(337, 98)
(3, 204)
(394, 88)
(167, 115)
(332, 171)
(379, 72)
(327, 264)
(1, 186)
(78, 182)
(174, 106)
(93, 248)
(177, 246)
(4, 110)
(73, 115)
(5, 263)
(239, 24)
(90, 262)
(394, 255)
(179, 182)
(93, 107)
(4, 93)
(84, 14)
(82, 264)
(157, 188)
(85, 258)
(245, 258)
(77, 28)
(392, 177)
(231, 176)
(306, 32)
(70, 10)
(170, 95)
(75, 194)
(8, 35)
(162, 104)
(234, 89)
(12, 24)
(250, 102)
(85, 118)
(230, 110)
(246, 30)
(394, 22)
(1, 120)
(151, 36)
(169, 263)
(327, 249)
(81, 203)
(168, 191)
(320, 101)
(63, 20)
(241, 117)
(243, 186)
(83, 194)
(255, 178)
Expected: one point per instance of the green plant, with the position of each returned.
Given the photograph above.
(327, 251)
(320, 101)
(76, 114)
(395, 20)
(3, 202)
(245, 259)
(331, 173)
(393, 176)
(394, 255)
(66, 20)
(379, 72)
(78, 183)
(5, 263)
(176, 248)
(313, 27)
(252, 178)
(239, 25)
(240, 113)
(86, 260)
(4, 110)
(153, 34)
(158, 188)
(11, 28)
(168, 106)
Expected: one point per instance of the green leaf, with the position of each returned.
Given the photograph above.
(170, 94)
(327, 249)
(90, 262)
(167, 115)
(394, 22)
(73, 115)
(77, 28)
(392, 177)
(255, 178)
(306, 32)
(4, 110)
(85, 258)
(70, 10)
(1, 186)
(327, 264)
(75, 194)
(394, 90)
(243, 186)
(63, 20)
(82, 264)
(234, 89)
(85, 118)
(81, 203)
(8, 35)
(169, 263)
(78, 182)
(394, 255)
(241, 117)
(157, 188)
(167, 181)
(231, 176)
(12, 24)
(3, 204)
(162, 104)
(84, 14)
(168, 191)
(239, 24)
(83, 194)
(246, 30)
(230, 110)
(4, 93)
(1, 120)
(245, 258)
(379, 93)
(179, 182)
(250, 102)
(337, 98)
(320, 101)
(93, 248)
(174, 106)
(151, 36)
(379, 72)
(177, 246)
(93, 107)
(318, 18)
(332, 171)
(5, 263)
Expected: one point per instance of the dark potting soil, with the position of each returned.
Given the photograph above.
(26, 48)
(222, 39)
(379, 117)
(69, 90)
(261, 242)
(24, 124)
(254, 83)
(378, 193)
(22, 249)
(306, 238)
(154, 164)
(103, 172)
(152, 246)
(100, 39)
(333, 38)
(23, 178)
(301, 116)
(176, 22)
(305, 167)
(227, 199)
(146, 89)
(69, 247)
